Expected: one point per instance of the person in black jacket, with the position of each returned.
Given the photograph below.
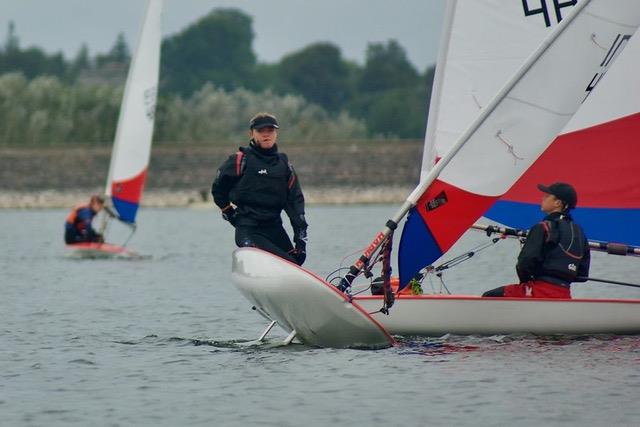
(556, 252)
(253, 187)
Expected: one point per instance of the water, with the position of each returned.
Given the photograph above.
(169, 341)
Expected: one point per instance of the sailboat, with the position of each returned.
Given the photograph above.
(608, 114)
(132, 145)
(502, 142)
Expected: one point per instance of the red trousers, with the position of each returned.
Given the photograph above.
(536, 289)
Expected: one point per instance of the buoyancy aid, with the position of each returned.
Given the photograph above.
(564, 249)
(72, 218)
(264, 180)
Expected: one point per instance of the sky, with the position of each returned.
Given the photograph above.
(280, 26)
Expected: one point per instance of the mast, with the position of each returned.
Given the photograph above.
(412, 199)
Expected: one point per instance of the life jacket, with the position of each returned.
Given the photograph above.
(264, 180)
(72, 218)
(564, 249)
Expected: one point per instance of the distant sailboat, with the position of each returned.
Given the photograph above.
(511, 130)
(132, 145)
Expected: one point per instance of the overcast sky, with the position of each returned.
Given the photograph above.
(281, 26)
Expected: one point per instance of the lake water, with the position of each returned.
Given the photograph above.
(167, 341)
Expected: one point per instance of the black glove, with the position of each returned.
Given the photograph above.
(300, 239)
(300, 251)
(229, 214)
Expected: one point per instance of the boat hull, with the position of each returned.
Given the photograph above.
(300, 301)
(93, 250)
(437, 315)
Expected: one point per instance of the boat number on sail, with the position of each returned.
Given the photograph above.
(437, 201)
(372, 247)
(614, 50)
(544, 9)
(150, 102)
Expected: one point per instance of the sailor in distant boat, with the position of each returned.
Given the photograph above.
(556, 252)
(253, 187)
(78, 228)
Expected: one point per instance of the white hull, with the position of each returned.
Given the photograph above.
(303, 303)
(438, 315)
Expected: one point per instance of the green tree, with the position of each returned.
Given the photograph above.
(80, 62)
(318, 73)
(12, 43)
(386, 67)
(31, 62)
(119, 53)
(216, 49)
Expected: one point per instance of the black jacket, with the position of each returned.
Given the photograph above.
(261, 183)
(556, 251)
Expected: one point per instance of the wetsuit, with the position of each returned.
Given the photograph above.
(555, 254)
(77, 227)
(261, 184)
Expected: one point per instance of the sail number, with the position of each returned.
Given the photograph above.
(557, 6)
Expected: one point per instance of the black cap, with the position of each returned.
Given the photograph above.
(262, 121)
(563, 191)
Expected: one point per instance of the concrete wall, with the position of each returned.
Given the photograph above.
(185, 167)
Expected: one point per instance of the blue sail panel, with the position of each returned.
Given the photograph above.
(608, 225)
(126, 210)
(418, 248)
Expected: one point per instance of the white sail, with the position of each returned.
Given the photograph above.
(132, 146)
(483, 43)
(512, 130)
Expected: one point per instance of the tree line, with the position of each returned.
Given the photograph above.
(210, 84)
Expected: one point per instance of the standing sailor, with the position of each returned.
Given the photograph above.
(78, 228)
(253, 186)
(556, 252)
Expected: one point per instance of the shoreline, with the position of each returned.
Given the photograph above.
(52, 199)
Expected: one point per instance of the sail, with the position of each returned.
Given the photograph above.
(512, 130)
(132, 146)
(482, 45)
(598, 153)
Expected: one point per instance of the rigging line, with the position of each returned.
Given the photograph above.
(511, 149)
(593, 39)
(442, 283)
(461, 258)
(475, 99)
(350, 254)
(539, 107)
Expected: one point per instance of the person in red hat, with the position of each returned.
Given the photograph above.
(556, 252)
(254, 186)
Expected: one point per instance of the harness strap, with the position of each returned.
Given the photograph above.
(239, 163)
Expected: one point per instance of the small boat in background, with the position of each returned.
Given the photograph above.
(132, 145)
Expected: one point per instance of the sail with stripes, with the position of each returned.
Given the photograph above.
(482, 45)
(598, 153)
(132, 146)
(512, 129)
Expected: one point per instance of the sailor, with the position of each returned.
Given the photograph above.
(556, 252)
(253, 187)
(77, 227)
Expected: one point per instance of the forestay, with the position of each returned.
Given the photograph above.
(132, 146)
(513, 129)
